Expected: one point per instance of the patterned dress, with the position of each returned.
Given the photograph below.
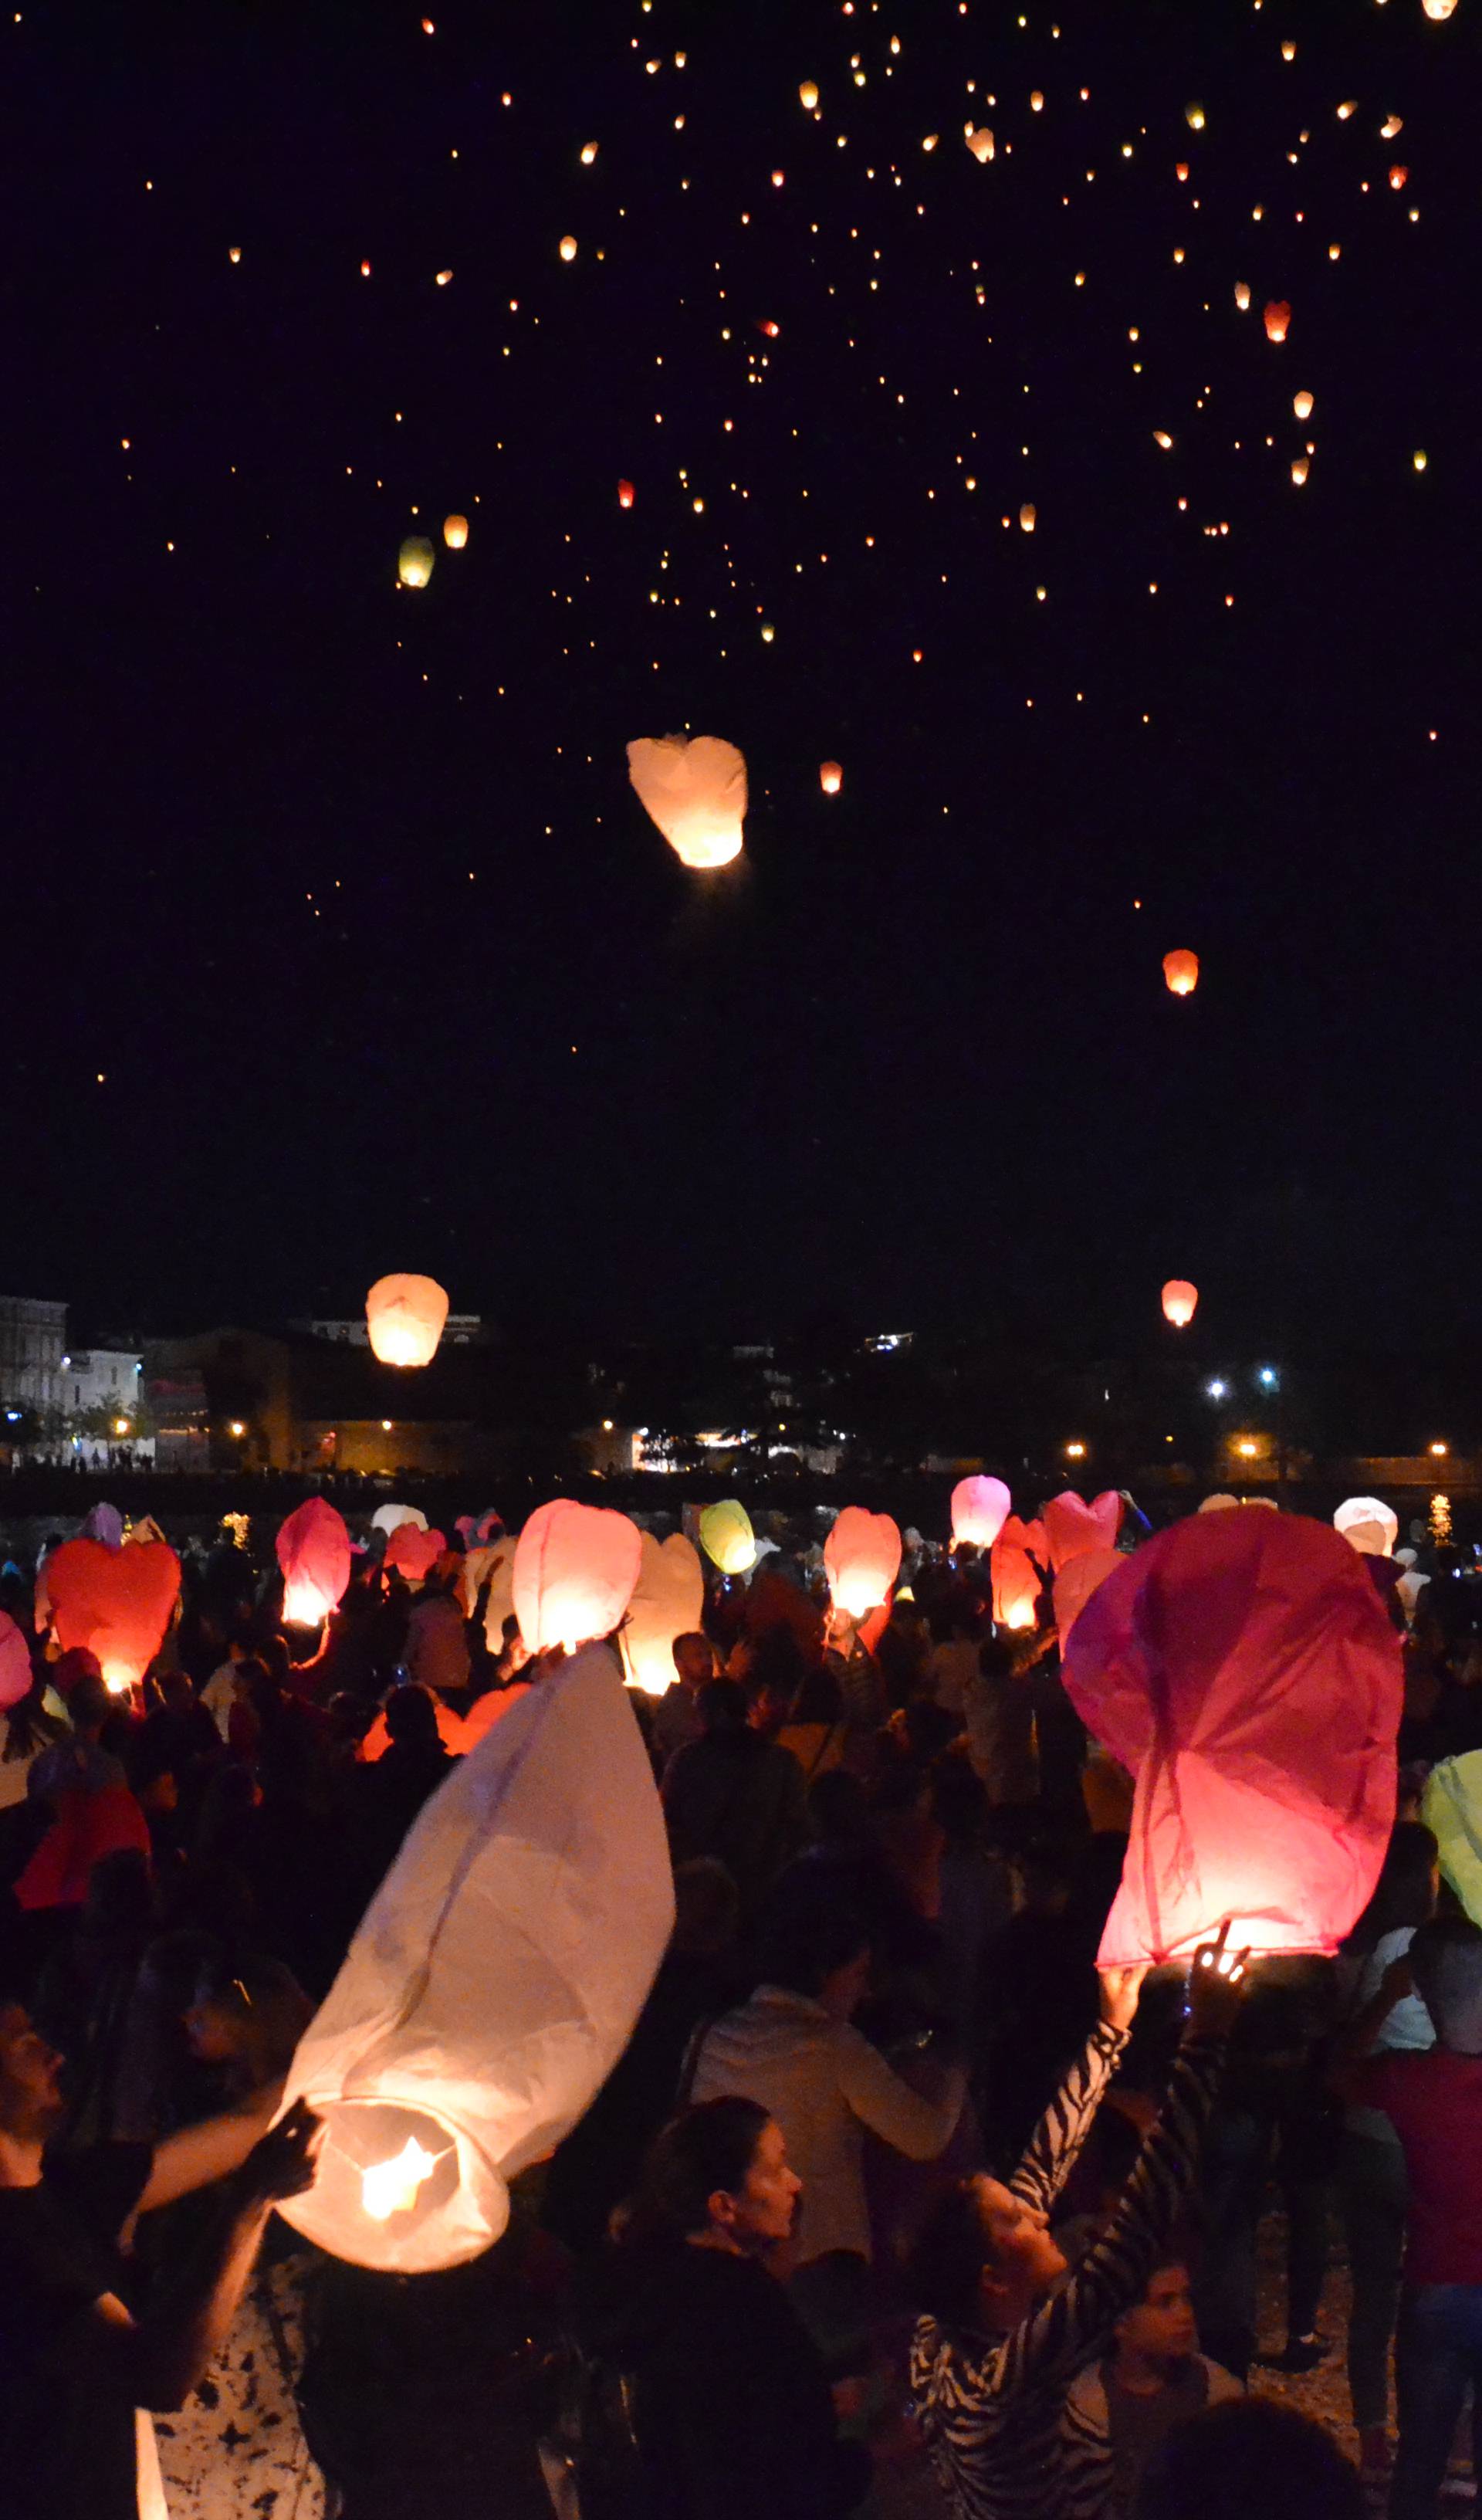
(990, 2408)
(235, 2449)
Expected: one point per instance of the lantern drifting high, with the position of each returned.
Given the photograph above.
(455, 532)
(404, 1315)
(1242, 1667)
(625, 494)
(1438, 10)
(667, 1601)
(862, 1557)
(727, 1538)
(414, 561)
(314, 1552)
(1242, 296)
(492, 1983)
(575, 1570)
(980, 141)
(807, 96)
(568, 249)
(696, 792)
(1368, 1525)
(830, 778)
(1194, 115)
(1181, 970)
(1276, 318)
(1301, 404)
(1028, 516)
(1180, 1301)
(980, 1511)
(117, 1603)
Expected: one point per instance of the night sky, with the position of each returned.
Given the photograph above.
(338, 941)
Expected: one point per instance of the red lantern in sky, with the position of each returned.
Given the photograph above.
(830, 778)
(980, 1511)
(1242, 1667)
(575, 1570)
(862, 1559)
(1276, 318)
(1181, 970)
(117, 1601)
(625, 494)
(1180, 1302)
(314, 1554)
(1016, 1578)
(1071, 1527)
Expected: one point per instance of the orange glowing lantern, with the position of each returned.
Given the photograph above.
(1077, 1580)
(1242, 296)
(1276, 318)
(625, 494)
(455, 532)
(830, 778)
(314, 1554)
(575, 1570)
(404, 1315)
(1028, 516)
(862, 1557)
(807, 96)
(1180, 1302)
(1301, 404)
(696, 792)
(980, 1511)
(1181, 970)
(980, 141)
(667, 1603)
(116, 1602)
(1019, 1553)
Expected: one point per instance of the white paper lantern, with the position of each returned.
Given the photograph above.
(667, 1601)
(1368, 1525)
(696, 792)
(387, 1517)
(493, 1982)
(404, 1317)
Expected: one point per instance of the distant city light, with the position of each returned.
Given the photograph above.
(1268, 1377)
(1247, 1448)
(1217, 1389)
(1075, 1452)
(385, 1425)
(121, 1425)
(1439, 1451)
(236, 1427)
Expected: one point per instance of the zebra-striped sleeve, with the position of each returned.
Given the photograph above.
(1055, 2144)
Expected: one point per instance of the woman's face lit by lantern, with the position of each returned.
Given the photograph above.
(404, 1315)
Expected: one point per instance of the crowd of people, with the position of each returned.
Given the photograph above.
(895, 2203)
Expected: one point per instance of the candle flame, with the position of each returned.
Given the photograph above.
(390, 2188)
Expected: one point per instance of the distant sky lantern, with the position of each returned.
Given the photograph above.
(493, 1982)
(1028, 517)
(455, 532)
(1036, 101)
(696, 792)
(1349, 106)
(1181, 970)
(1392, 126)
(1242, 295)
(667, 1603)
(575, 1570)
(364, 271)
(980, 141)
(1438, 10)
(1300, 467)
(727, 1538)
(1399, 177)
(1368, 1525)
(625, 494)
(235, 249)
(1420, 459)
(807, 96)
(1194, 115)
(862, 1559)
(980, 1511)
(1180, 1302)
(1243, 1669)
(1276, 318)
(314, 1552)
(1018, 1555)
(414, 560)
(1162, 438)
(1302, 404)
(443, 277)
(589, 153)
(830, 778)
(569, 248)
(117, 1603)
(405, 1317)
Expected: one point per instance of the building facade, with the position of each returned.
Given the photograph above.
(32, 1345)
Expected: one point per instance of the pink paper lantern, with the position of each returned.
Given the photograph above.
(1243, 1668)
(1180, 1302)
(117, 1603)
(15, 1663)
(412, 1551)
(314, 1554)
(575, 1570)
(1076, 1582)
(1072, 1526)
(1016, 1578)
(862, 1559)
(980, 1511)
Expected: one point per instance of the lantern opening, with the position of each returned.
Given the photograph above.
(393, 2169)
(388, 2188)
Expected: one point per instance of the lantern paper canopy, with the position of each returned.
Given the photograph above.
(15, 1663)
(830, 778)
(1078, 1579)
(727, 1538)
(1181, 970)
(575, 1568)
(412, 1551)
(862, 1559)
(455, 532)
(1180, 1302)
(980, 1511)
(696, 792)
(314, 1554)
(569, 248)
(1439, 10)
(1368, 1525)
(405, 1318)
(1453, 1807)
(1245, 1671)
(497, 1561)
(414, 561)
(1276, 318)
(117, 1603)
(1302, 404)
(980, 141)
(1016, 1578)
(625, 494)
(807, 96)
(493, 1982)
(386, 1517)
(667, 1603)
(1072, 1527)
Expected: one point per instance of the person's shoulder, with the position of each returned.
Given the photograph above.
(1220, 2384)
(1086, 2405)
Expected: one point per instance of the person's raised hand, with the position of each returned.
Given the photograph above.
(285, 2160)
(1120, 1989)
(1216, 1987)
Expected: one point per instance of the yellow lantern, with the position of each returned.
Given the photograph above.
(667, 1601)
(569, 248)
(727, 1538)
(1194, 115)
(1302, 404)
(405, 1316)
(696, 792)
(807, 96)
(980, 141)
(1181, 970)
(830, 778)
(1027, 516)
(455, 532)
(1180, 1301)
(414, 560)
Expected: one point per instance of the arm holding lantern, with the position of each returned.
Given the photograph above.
(1054, 2147)
(212, 2149)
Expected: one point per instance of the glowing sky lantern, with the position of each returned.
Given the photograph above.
(1028, 516)
(862, 1557)
(414, 561)
(807, 96)
(1181, 970)
(568, 249)
(15, 1663)
(696, 792)
(117, 1603)
(314, 1552)
(493, 1981)
(1072, 1528)
(1194, 115)
(1300, 467)
(981, 141)
(625, 494)
(575, 1569)
(1242, 295)
(980, 1511)
(455, 532)
(830, 778)
(1244, 1670)
(1277, 317)
(404, 1315)
(1180, 1301)
(412, 1553)
(1077, 1580)
(1439, 10)
(727, 1538)
(387, 1517)
(1302, 404)
(589, 153)
(1018, 1555)
(1368, 1525)
(667, 1603)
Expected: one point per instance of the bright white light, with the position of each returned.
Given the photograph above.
(1266, 1377)
(390, 2188)
(1217, 1389)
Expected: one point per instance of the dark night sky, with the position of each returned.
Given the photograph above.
(342, 889)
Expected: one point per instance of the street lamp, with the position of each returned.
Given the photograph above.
(237, 1428)
(1268, 1377)
(1217, 1389)
(1075, 1452)
(1439, 1451)
(121, 1425)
